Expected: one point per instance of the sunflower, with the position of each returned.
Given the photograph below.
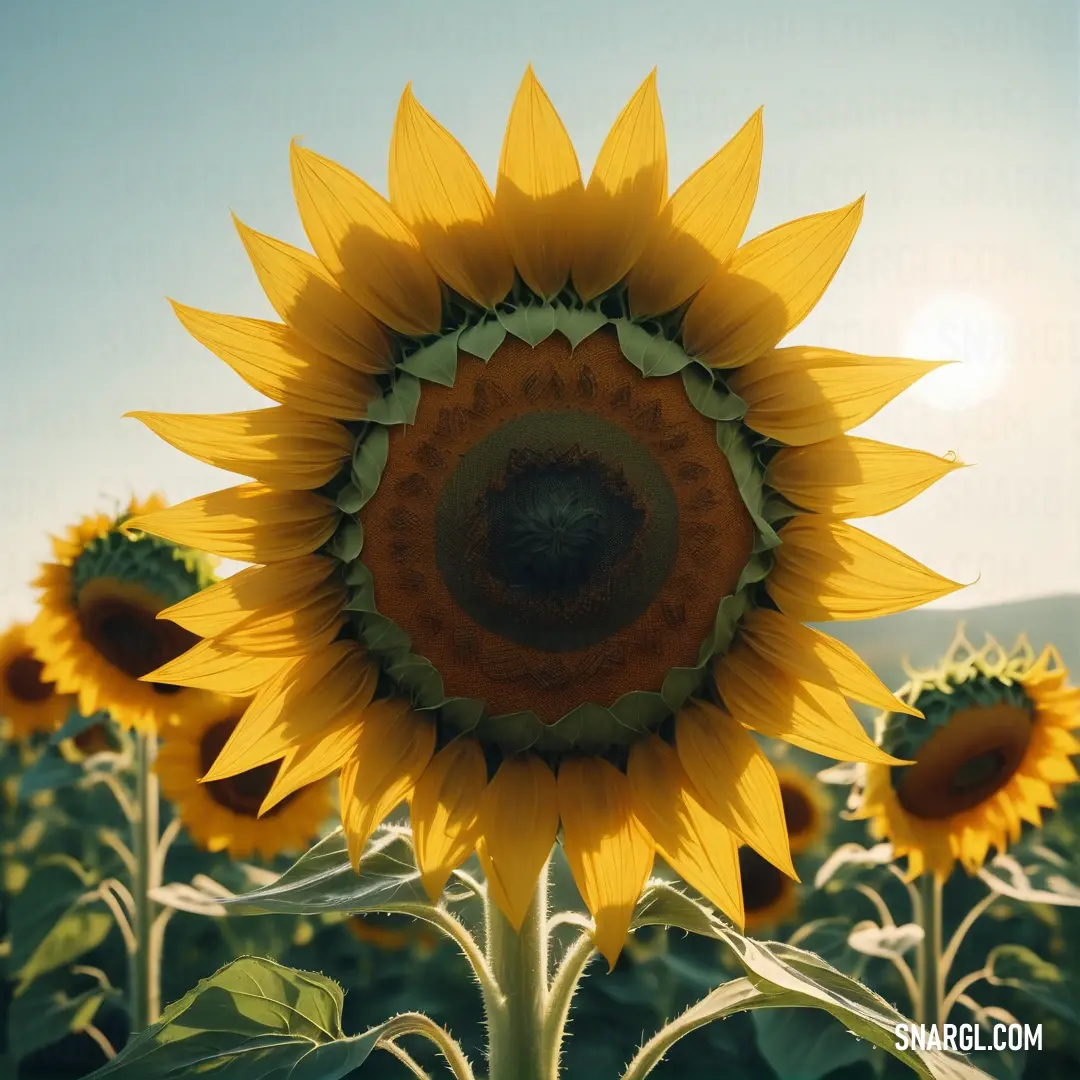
(96, 633)
(806, 809)
(28, 700)
(229, 814)
(769, 896)
(538, 493)
(993, 748)
(393, 933)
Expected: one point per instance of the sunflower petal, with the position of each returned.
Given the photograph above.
(437, 190)
(297, 706)
(365, 245)
(226, 604)
(609, 853)
(831, 570)
(392, 752)
(700, 227)
(697, 846)
(279, 446)
(815, 657)
(624, 195)
(539, 191)
(445, 812)
(770, 700)
(848, 477)
(768, 288)
(519, 817)
(278, 363)
(209, 666)
(314, 761)
(251, 522)
(292, 629)
(734, 780)
(803, 395)
(304, 293)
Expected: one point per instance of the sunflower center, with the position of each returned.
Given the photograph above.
(555, 529)
(965, 762)
(243, 794)
(798, 810)
(763, 884)
(23, 679)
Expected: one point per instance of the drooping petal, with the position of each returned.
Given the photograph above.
(768, 288)
(209, 666)
(519, 817)
(538, 196)
(850, 477)
(445, 812)
(624, 195)
(277, 362)
(278, 446)
(392, 752)
(226, 604)
(700, 227)
(696, 845)
(437, 190)
(734, 780)
(304, 293)
(609, 853)
(775, 703)
(365, 245)
(802, 395)
(815, 657)
(251, 522)
(297, 705)
(831, 570)
(315, 760)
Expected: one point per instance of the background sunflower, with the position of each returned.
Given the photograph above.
(28, 700)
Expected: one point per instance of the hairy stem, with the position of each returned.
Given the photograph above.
(144, 987)
(966, 924)
(930, 1011)
(563, 986)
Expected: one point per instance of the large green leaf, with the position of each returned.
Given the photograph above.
(1020, 968)
(806, 1044)
(253, 1019)
(50, 772)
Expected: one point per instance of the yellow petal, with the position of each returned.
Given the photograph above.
(519, 817)
(815, 657)
(699, 848)
(314, 761)
(768, 288)
(226, 604)
(624, 195)
(437, 190)
(279, 446)
(251, 522)
(392, 752)
(733, 779)
(831, 570)
(700, 227)
(851, 477)
(445, 812)
(365, 245)
(304, 293)
(802, 395)
(776, 703)
(609, 853)
(539, 191)
(277, 362)
(297, 706)
(208, 666)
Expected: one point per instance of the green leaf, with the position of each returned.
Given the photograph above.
(650, 354)
(641, 711)
(253, 1019)
(399, 404)
(349, 499)
(681, 684)
(483, 339)
(76, 724)
(369, 460)
(463, 714)
(436, 362)
(50, 772)
(728, 614)
(531, 324)
(347, 541)
(749, 478)
(709, 396)
(418, 678)
(323, 880)
(361, 588)
(576, 324)
(806, 1044)
(1022, 969)
(513, 732)
(383, 636)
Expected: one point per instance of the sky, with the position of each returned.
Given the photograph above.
(130, 130)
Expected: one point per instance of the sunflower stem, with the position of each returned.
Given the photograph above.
(519, 961)
(144, 987)
(930, 970)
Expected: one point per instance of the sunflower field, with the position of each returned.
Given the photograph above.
(535, 739)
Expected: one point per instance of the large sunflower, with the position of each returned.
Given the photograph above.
(97, 633)
(29, 701)
(592, 499)
(995, 743)
(233, 814)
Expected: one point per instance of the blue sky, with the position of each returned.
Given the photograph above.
(129, 131)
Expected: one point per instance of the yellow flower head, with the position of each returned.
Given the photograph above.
(28, 700)
(806, 809)
(994, 746)
(539, 489)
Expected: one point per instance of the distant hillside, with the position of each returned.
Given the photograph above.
(923, 636)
